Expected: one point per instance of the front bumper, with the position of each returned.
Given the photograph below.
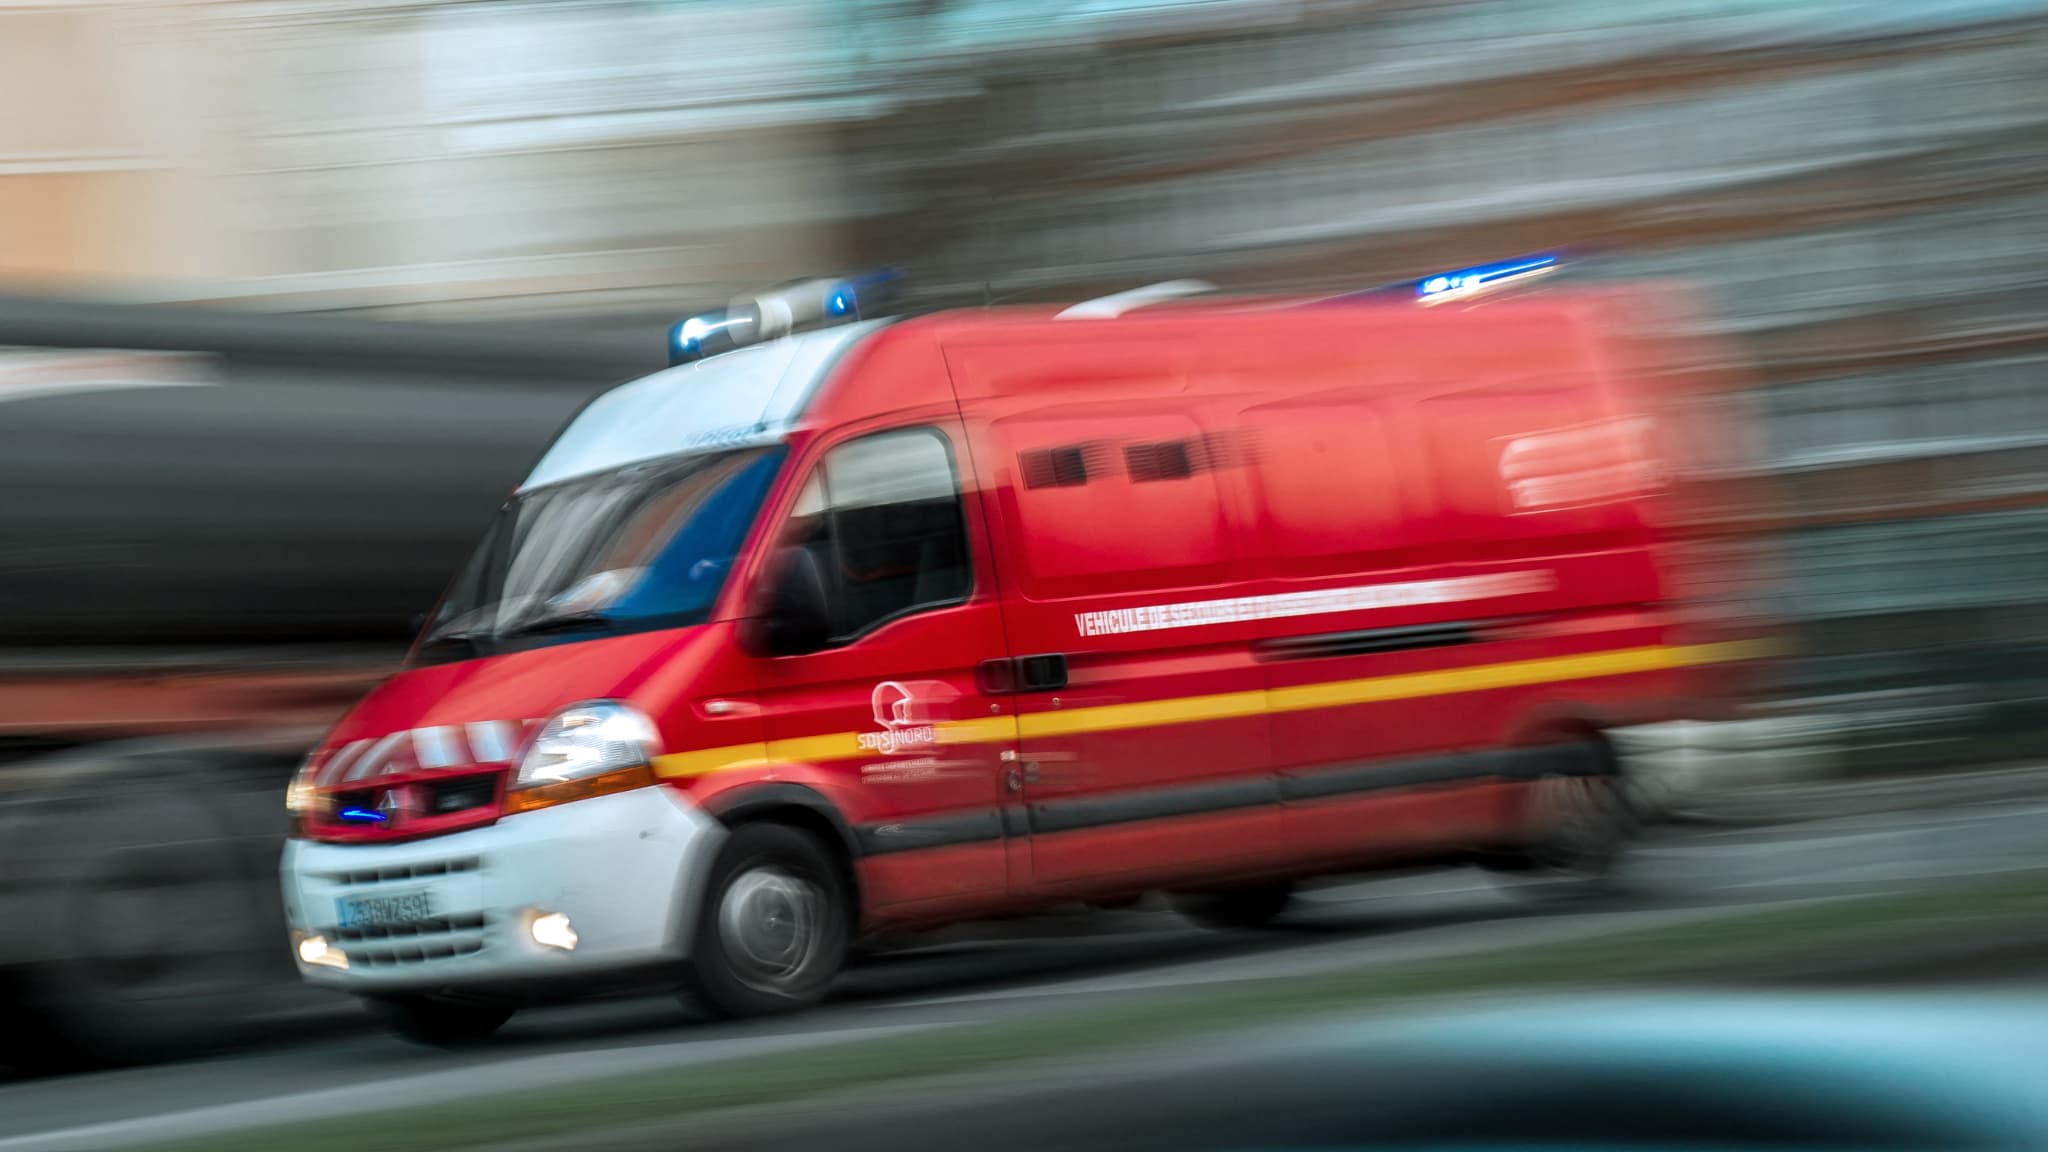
(625, 869)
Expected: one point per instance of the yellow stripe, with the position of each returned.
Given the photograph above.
(981, 730)
(708, 760)
(1229, 705)
(1484, 677)
(838, 746)
(810, 749)
(1148, 714)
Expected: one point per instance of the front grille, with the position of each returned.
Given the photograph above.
(427, 871)
(461, 799)
(399, 955)
(443, 938)
(460, 795)
(439, 926)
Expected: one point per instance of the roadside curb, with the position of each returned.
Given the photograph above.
(1798, 803)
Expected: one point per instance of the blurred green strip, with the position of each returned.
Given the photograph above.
(580, 1113)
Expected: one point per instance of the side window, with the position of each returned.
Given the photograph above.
(882, 515)
(1143, 509)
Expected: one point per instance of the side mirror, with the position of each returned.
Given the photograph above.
(789, 616)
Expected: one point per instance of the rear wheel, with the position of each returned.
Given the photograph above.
(443, 1020)
(773, 930)
(1580, 828)
(1250, 907)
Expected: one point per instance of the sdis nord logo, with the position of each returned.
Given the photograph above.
(904, 724)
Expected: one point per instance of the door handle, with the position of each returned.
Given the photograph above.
(1042, 673)
(1046, 672)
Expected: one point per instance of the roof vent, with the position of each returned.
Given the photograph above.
(1105, 307)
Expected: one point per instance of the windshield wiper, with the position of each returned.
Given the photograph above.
(563, 622)
(469, 640)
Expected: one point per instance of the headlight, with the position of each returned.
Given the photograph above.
(591, 749)
(302, 798)
(588, 739)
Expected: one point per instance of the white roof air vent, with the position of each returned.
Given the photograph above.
(1105, 307)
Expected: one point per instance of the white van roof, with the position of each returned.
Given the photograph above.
(747, 396)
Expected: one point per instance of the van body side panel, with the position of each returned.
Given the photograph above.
(889, 730)
(897, 718)
(1433, 503)
(1113, 497)
(1307, 584)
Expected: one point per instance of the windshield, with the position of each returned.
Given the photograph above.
(633, 549)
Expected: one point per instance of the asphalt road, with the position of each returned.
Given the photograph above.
(330, 1065)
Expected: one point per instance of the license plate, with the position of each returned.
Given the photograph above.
(378, 911)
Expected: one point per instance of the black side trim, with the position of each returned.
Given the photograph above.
(944, 831)
(1579, 759)
(1153, 804)
(1372, 640)
(989, 824)
(1387, 775)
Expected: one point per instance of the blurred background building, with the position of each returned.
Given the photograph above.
(1858, 186)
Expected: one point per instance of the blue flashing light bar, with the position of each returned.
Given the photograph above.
(362, 816)
(1462, 284)
(849, 299)
(701, 336)
(1466, 282)
(805, 303)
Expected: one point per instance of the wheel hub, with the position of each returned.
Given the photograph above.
(770, 923)
(1576, 818)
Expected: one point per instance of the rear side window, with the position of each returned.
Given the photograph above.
(1129, 503)
(883, 517)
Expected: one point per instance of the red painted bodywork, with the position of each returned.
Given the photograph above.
(1333, 447)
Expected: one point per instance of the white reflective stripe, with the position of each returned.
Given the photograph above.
(435, 747)
(372, 762)
(331, 772)
(1324, 601)
(487, 742)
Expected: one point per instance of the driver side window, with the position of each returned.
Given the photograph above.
(882, 518)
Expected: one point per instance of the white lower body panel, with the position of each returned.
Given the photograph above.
(625, 869)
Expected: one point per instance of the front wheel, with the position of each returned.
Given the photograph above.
(773, 930)
(440, 1021)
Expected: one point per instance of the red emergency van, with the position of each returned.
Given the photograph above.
(899, 623)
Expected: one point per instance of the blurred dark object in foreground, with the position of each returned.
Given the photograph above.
(193, 479)
(217, 528)
(1651, 1071)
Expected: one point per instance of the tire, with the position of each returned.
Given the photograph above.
(442, 1021)
(1587, 823)
(1253, 907)
(773, 929)
(158, 939)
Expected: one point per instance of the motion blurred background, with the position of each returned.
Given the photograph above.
(294, 291)
(1856, 186)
